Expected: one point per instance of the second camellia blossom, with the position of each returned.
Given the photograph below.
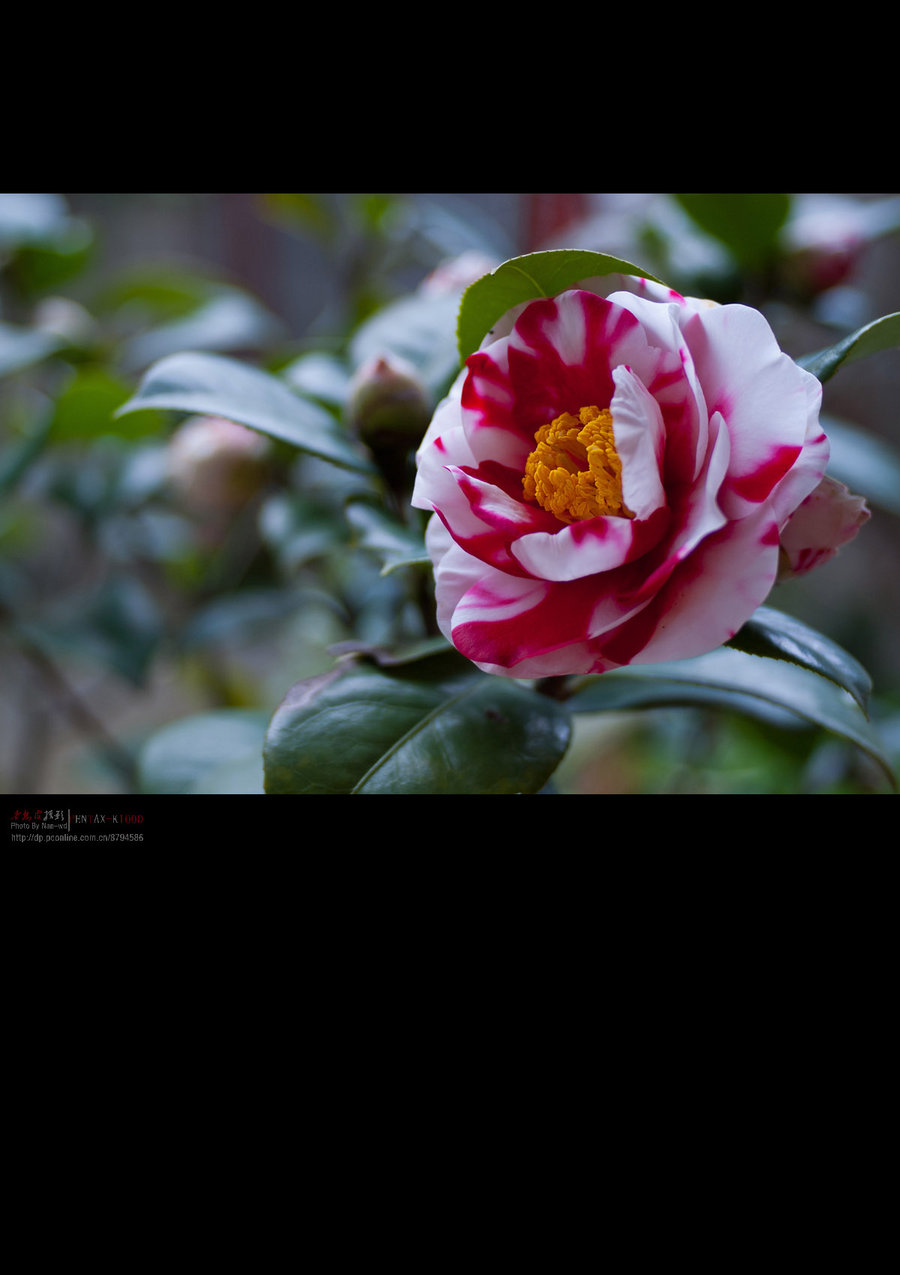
(613, 480)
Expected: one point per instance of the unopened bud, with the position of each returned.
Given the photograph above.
(216, 465)
(388, 405)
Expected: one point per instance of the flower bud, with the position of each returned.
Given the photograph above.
(827, 519)
(388, 405)
(826, 235)
(216, 465)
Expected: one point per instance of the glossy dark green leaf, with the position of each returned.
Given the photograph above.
(362, 730)
(880, 334)
(215, 752)
(211, 384)
(776, 635)
(732, 679)
(537, 274)
(748, 225)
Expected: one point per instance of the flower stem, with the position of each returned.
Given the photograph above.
(554, 687)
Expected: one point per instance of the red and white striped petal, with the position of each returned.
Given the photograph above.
(590, 547)
(712, 592)
(640, 441)
(762, 394)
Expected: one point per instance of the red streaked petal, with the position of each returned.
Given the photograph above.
(589, 547)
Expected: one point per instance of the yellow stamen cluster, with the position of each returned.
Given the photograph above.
(575, 471)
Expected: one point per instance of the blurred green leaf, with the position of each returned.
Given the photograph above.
(230, 321)
(40, 268)
(21, 347)
(420, 328)
(118, 626)
(396, 544)
(359, 730)
(125, 625)
(881, 334)
(156, 294)
(210, 384)
(776, 635)
(310, 214)
(299, 530)
(732, 679)
(87, 405)
(216, 752)
(748, 225)
(238, 617)
(320, 376)
(28, 218)
(17, 457)
(537, 274)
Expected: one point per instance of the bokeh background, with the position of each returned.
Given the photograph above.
(148, 576)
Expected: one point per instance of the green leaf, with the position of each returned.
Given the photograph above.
(771, 633)
(216, 752)
(361, 730)
(17, 457)
(154, 295)
(40, 242)
(880, 334)
(396, 544)
(748, 225)
(731, 679)
(22, 347)
(125, 626)
(31, 218)
(537, 274)
(239, 616)
(86, 406)
(307, 213)
(420, 328)
(229, 321)
(318, 375)
(210, 384)
(120, 626)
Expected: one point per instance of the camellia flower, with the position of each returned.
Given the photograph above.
(612, 477)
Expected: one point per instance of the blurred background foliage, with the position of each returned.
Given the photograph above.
(164, 580)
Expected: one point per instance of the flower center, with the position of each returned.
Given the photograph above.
(575, 471)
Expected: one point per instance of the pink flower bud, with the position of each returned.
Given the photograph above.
(388, 404)
(828, 518)
(216, 465)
